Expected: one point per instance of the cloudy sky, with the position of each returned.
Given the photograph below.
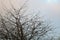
(50, 9)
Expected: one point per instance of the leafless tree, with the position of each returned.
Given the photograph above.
(15, 26)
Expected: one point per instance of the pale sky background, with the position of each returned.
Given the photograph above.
(50, 9)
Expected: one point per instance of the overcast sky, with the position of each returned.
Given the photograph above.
(50, 9)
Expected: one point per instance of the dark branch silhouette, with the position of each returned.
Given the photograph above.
(13, 27)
